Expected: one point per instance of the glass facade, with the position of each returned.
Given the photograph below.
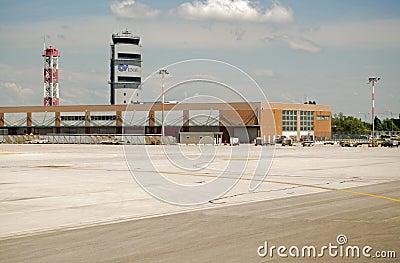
(306, 121)
(323, 118)
(289, 120)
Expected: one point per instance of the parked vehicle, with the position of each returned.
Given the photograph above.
(287, 142)
(234, 141)
(308, 143)
(390, 143)
(259, 141)
(348, 144)
(279, 139)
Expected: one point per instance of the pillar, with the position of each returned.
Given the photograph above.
(58, 122)
(118, 122)
(87, 122)
(1, 119)
(29, 122)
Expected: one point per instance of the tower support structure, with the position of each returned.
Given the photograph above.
(51, 93)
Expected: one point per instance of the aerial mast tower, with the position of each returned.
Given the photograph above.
(51, 94)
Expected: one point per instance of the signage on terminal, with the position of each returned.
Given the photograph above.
(126, 68)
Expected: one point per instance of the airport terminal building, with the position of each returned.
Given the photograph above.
(243, 120)
(127, 115)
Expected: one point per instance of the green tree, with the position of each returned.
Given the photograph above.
(349, 125)
(389, 125)
(397, 121)
(378, 124)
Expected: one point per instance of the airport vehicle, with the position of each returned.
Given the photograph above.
(111, 141)
(259, 141)
(390, 143)
(279, 139)
(287, 142)
(348, 143)
(234, 141)
(308, 143)
(37, 141)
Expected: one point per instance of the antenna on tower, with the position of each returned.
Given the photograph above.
(44, 42)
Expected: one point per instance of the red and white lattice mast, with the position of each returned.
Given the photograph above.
(51, 94)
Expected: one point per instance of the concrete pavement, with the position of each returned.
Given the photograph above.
(81, 202)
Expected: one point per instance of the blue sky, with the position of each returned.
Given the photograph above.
(295, 50)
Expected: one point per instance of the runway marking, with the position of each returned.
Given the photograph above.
(206, 173)
(338, 190)
(371, 195)
(65, 228)
(265, 181)
(300, 185)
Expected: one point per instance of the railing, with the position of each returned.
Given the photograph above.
(131, 139)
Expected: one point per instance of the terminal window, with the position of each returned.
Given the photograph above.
(323, 118)
(129, 79)
(103, 118)
(72, 118)
(129, 56)
(289, 120)
(306, 120)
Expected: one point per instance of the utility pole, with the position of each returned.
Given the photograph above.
(162, 72)
(373, 80)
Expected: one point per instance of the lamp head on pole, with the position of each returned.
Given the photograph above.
(163, 71)
(374, 79)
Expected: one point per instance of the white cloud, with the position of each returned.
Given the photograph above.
(288, 97)
(15, 94)
(80, 95)
(372, 34)
(264, 72)
(239, 32)
(16, 89)
(278, 13)
(133, 9)
(302, 44)
(294, 42)
(231, 10)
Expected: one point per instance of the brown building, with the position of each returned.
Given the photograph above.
(243, 120)
(302, 120)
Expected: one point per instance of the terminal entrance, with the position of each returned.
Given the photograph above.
(245, 134)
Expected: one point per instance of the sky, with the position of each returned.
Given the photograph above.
(294, 50)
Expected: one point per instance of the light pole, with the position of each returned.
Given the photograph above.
(163, 72)
(373, 80)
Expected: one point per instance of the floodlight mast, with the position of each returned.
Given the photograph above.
(163, 72)
(373, 80)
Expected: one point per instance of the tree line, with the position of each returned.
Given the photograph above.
(351, 125)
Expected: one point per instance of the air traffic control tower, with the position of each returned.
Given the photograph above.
(125, 68)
